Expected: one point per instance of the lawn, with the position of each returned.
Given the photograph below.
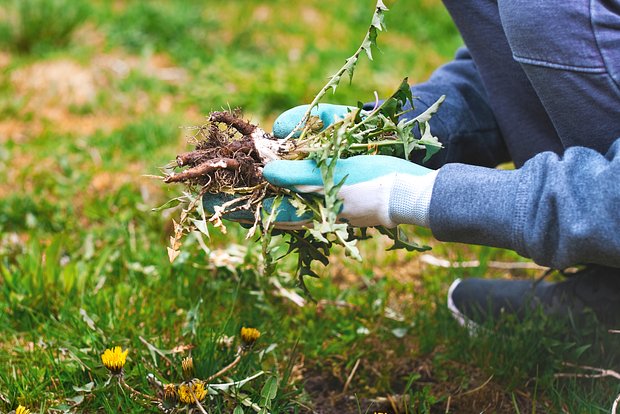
(96, 96)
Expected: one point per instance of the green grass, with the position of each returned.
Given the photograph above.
(83, 264)
(40, 25)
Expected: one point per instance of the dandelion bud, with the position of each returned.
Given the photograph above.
(249, 336)
(188, 368)
(170, 393)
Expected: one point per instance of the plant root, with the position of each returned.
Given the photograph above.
(203, 169)
(225, 157)
(232, 119)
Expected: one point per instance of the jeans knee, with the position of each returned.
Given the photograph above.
(550, 33)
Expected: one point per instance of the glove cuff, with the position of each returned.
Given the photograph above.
(410, 199)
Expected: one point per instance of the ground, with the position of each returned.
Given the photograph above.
(91, 107)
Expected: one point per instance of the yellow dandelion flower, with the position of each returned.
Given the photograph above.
(199, 390)
(249, 336)
(114, 359)
(188, 367)
(22, 410)
(184, 394)
(189, 390)
(170, 392)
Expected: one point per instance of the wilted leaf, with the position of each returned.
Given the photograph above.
(172, 254)
(85, 388)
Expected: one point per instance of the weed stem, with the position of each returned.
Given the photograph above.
(135, 392)
(335, 79)
(226, 368)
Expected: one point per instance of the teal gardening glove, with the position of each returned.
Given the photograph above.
(378, 190)
(327, 113)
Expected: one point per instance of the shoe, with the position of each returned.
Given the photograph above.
(595, 289)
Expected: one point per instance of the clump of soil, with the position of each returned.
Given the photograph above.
(225, 156)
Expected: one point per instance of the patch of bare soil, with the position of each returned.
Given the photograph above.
(323, 389)
(85, 125)
(5, 59)
(443, 394)
(67, 123)
(378, 383)
(53, 86)
(18, 131)
(109, 182)
(51, 89)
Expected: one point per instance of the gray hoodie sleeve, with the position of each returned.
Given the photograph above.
(557, 211)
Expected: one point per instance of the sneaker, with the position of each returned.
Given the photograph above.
(595, 289)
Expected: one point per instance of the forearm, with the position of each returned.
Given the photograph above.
(557, 211)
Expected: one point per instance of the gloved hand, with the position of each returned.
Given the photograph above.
(288, 120)
(378, 189)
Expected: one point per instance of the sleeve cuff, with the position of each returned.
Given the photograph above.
(477, 205)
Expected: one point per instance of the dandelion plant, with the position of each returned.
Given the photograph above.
(230, 153)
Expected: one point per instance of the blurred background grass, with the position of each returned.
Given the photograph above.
(95, 94)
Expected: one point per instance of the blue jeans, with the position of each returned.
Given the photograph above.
(539, 85)
(551, 69)
(537, 75)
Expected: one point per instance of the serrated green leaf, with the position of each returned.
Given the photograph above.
(430, 151)
(430, 111)
(405, 93)
(333, 82)
(430, 142)
(298, 204)
(352, 250)
(400, 240)
(317, 234)
(201, 225)
(377, 21)
(378, 16)
(372, 41)
(170, 204)
(350, 66)
(308, 272)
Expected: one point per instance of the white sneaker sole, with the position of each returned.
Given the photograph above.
(462, 320)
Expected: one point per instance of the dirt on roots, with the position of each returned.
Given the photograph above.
(225, 156)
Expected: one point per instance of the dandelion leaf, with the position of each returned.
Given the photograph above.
(401, 240)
